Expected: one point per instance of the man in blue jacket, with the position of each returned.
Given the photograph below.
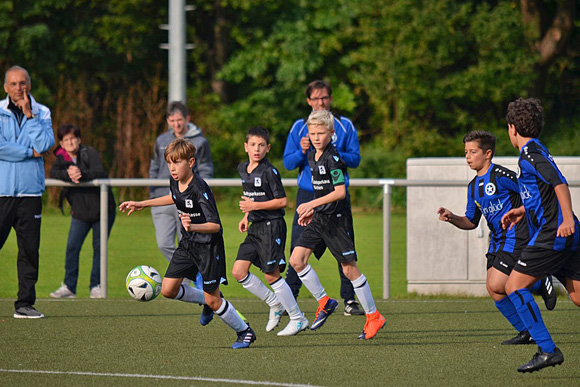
(25, 134)
(345, 140)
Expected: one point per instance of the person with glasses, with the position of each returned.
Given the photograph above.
(345, 140)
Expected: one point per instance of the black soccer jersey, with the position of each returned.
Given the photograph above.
(197, 201)
(493, 195)
(261, 185)
(537, 177)
(329, 171)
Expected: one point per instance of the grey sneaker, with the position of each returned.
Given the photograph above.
(96, 292)
(274, 318)
(27, 312)
(63, 292)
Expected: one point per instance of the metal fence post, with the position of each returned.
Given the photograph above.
(387, 191)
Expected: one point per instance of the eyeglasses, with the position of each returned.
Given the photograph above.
(323, 99)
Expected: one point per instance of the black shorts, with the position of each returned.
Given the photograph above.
(540, 262)
(334, 231)
(502, 261)
(264, 246)
(209, 259)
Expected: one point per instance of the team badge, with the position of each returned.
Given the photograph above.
(188, 203)
(489, 189)
(257, 182)
(321, 170)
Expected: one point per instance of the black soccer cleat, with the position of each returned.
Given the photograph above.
(352, 308)
(548, 293)
(523, 337)
(543, 360)
(245, 338)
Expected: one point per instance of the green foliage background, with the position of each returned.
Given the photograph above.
(413, 75)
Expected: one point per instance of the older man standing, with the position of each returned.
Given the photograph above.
(25, 134)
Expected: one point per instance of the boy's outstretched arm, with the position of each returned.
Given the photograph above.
(458, 221)
(567, 226)
(132, 206)
(201, 228)
(512, 217)
(247, 204)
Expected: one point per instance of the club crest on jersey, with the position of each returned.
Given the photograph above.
(188, 203)
(489, 189)
(205, 196)
(321, 170)
(257, 182)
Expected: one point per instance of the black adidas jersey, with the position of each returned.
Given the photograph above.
(261, 185)
(329, 171)
(197, 201)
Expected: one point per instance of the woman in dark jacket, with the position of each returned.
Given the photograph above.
(78, 163)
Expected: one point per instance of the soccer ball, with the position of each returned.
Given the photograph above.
(143, 283)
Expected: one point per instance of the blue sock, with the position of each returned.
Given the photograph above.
(529, 313)
(536, 287)
(508, 310)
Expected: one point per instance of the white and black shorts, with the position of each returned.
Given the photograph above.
(209, 259)
(502, 261)
(334, 231)
(264, 246)
(539, 262)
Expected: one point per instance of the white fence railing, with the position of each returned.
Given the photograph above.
(386, 184)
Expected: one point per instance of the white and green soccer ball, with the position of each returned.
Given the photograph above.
(143, 283)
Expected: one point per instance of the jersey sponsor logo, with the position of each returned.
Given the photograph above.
(318, 184)
(491, 209)
(250, 194)
(257, 182)
(321, 170)
(191, 214)
(525, 193)
(205, 196)
(188, 203)
(489, 189)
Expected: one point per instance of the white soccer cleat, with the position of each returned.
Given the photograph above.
(275, 316)
(294, 327)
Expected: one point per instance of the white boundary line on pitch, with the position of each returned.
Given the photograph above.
(195, 378)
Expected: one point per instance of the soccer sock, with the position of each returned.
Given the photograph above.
(508, 310)
(189, 294)
(310, 280)
(253, 284)
(529, 313)
(536, 287)
(284, 294)
(228, 314)
(363, 292)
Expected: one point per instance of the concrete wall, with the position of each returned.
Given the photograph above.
(440, 257)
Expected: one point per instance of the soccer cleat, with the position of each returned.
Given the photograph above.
(294, 327)
(352, 308)
(543, 360)
(63, 292)
(245, 338)
(323, 313)
(27, 312)
(96, 292)
(523, 337)
(275, 315)
(375, 322)
(206, 315)
(548, 293)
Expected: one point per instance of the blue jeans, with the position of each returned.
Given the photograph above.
(76, 236)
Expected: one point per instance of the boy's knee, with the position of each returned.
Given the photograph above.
(575, 297)
(239, 274)
(169, 292)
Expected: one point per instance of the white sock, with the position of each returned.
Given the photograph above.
(310, 279)
(253, 284)
(189, 294)
(363, 292)
(284, 294)
(228, 314)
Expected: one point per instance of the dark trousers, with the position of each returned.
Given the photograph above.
(346, 288)
(23, 214)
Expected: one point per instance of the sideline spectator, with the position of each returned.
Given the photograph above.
(165, 218)
(79, 163)
(25, 134)
(345, 140)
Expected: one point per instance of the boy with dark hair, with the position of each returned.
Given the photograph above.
(328, 224)
(493, 192)
(201, 248)
(263, 203)
(554, 229)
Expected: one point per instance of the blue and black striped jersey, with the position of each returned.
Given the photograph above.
(538, 175)
(492, 195)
